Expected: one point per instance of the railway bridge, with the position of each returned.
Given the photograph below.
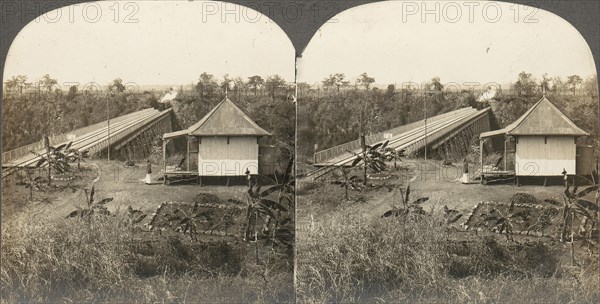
(448, 133)
(129, 137)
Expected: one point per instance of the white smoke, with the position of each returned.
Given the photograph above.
(488, 94)
(169, 95)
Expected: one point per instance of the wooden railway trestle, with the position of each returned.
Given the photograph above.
(455, 128)
(139, 145)
(131, 136)
(457, 144)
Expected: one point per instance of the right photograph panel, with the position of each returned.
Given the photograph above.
(447, 153)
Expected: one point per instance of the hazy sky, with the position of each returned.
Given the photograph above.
(471, 42)
(167, 42)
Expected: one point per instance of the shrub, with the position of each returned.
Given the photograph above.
(207, 198)
(523, 198)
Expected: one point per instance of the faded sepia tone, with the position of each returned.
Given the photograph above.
(147, 156)
(447, 153)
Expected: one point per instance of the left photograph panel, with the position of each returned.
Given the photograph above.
(147, 156)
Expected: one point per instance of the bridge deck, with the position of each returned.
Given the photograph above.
(413, 139)
(95, 140)
(404, 139)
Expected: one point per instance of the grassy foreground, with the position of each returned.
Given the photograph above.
(345, 256)
(348, 260)
(106, 260)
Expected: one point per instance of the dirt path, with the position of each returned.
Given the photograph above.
(441, 185)
(112, 179)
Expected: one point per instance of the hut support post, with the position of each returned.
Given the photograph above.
(481, 141)
(505, 153)
(164, 150)
(187, 156)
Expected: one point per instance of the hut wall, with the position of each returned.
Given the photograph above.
(217, 157)
(545, 155)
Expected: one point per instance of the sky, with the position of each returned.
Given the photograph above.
(150, 43)
(478, 42)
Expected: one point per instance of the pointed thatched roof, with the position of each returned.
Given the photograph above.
(226, 119)
(543, 118)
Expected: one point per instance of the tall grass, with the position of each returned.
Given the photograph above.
(348, 259)
(104, 260)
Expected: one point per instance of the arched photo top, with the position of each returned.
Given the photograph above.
(473, 41)
(150, 42)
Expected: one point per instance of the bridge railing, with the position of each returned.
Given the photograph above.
(57, 139)
(327, 154)
(126, 132)
(436, 135)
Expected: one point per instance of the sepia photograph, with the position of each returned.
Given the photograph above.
(148, 155)
(306, 151)
(447, 153)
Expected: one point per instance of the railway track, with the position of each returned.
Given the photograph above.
(96, 139)
(405, 140)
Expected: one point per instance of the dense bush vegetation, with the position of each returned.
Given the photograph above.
(28, 113)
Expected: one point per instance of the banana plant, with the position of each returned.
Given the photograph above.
(577, 207)
(261, 207)
(92, 206)
(499, 223)
(185, 222)
(393, 154)
(135, 216)
(353, 182)
(283, 232)
(78, 156)
(277, 227)
(407, 207)
(55, 158)
(371, 157)
(33, 183)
